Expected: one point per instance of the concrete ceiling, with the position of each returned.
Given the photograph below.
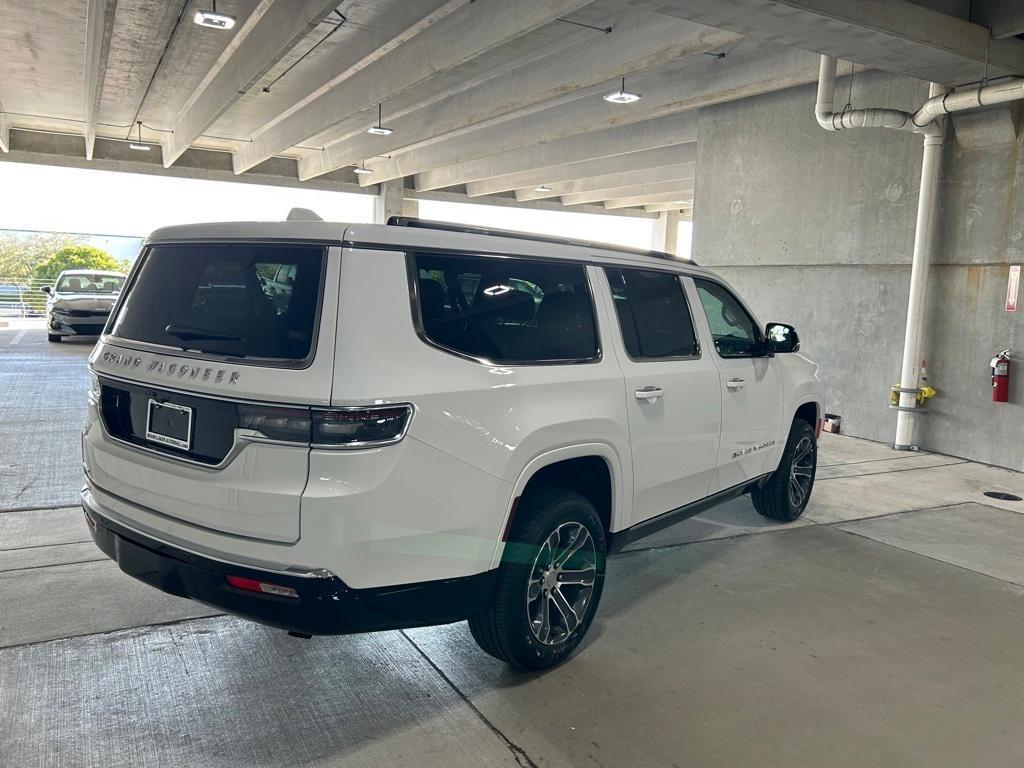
(485, 97)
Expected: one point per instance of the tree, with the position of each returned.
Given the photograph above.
(76, 257)
(20, 253)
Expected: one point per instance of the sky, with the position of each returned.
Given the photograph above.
(105, 203)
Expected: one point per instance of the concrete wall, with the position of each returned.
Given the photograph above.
(817, 229)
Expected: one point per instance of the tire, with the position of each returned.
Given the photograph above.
(549, 522)
(774, 499)
(53, 337)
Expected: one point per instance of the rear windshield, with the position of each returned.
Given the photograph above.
(83, 283)
(239, 300)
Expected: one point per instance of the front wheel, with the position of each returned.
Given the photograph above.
(53, 337)
(549, 583)
(784, 497)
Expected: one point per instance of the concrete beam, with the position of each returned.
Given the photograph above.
(684, 85)
(268, 34)
(455, 33)
(663, 132)
(681, 188)
(511, 202)
(893, 35)
(585, 169)
(68, 151)
(640, 40)
(99, 25)
(661, 207)
(684, 198)
(1004, 17)
(611, 181)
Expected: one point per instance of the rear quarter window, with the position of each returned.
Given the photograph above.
(505, 310)
(237, 300)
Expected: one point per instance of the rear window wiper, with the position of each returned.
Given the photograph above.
(187, 332)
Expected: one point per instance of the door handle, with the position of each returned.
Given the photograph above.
(735, 384)
(649, 394)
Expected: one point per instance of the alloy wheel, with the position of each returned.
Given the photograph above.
(561, 583)
(801, 472)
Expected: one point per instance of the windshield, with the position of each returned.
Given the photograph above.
(86, 283)
(239, 300)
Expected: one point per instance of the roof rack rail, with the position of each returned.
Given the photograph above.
(444, 226)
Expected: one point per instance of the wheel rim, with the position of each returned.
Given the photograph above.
(801, 472)
(561, 583)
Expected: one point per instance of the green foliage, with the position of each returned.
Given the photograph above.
(76, 257)
(20, 254)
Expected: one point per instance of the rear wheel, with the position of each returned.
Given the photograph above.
(549, 583)
(785, 495)
(53, 337)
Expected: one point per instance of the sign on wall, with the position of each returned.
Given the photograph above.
(1012, 288)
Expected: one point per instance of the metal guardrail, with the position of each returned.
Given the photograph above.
(22, 297)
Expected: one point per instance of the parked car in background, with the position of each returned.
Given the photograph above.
(12, 301)
(80, 302)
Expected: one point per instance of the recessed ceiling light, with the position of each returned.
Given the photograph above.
(214, 20)
(139, 146)
(379, 129)
(542, 188)
(622, 96)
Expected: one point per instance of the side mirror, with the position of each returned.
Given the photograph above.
(781, 337)
(45, 289)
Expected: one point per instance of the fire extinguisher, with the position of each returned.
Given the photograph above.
(1001, 376)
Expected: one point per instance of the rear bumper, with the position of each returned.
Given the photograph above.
(324, 606)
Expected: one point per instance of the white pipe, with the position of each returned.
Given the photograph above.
(873, 117)
(923, 237)
(958, 101)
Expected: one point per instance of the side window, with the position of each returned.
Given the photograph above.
(506, 310)
(734, 331)
(653, 314)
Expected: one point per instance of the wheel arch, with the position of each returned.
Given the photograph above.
(572, 467)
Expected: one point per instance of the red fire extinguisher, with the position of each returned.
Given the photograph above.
(1001, 376)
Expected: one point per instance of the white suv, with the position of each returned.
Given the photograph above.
(337, 428)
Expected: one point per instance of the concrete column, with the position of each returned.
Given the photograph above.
(665, 233)
(388, 202)
(411, 208)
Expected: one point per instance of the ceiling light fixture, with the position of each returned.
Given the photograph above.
(214, 20)
(622, 96)
(140, 146)
(542, 188)
(361, 169)
(379, 129)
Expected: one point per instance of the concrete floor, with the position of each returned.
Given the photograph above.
(886, 628)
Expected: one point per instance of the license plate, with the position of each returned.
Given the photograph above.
(169, 424)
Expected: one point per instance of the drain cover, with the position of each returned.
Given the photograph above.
(1002, 496)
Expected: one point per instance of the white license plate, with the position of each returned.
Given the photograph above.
(169, 424)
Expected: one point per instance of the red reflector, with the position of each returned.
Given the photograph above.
(817, 433)
(254, 585)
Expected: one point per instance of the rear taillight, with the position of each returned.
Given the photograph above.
(293, 425)
(264, 587)
(359, 427)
